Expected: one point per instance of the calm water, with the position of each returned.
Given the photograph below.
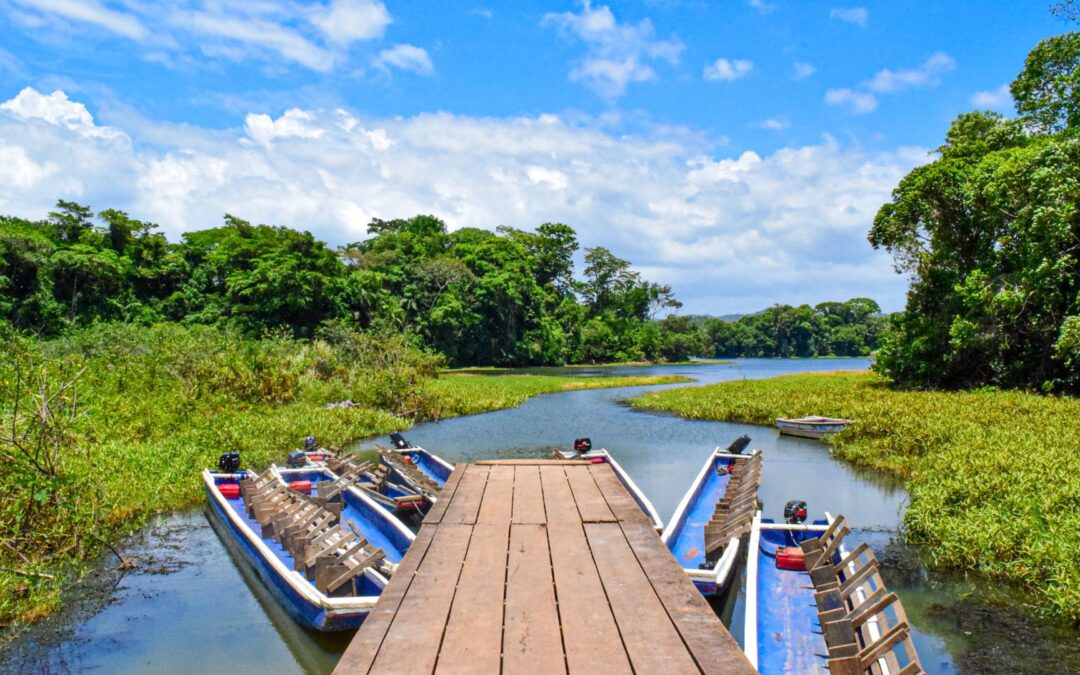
(206, 614)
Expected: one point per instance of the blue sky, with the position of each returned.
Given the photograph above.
(737, 150)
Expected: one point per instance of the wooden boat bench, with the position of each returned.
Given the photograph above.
(334, 570)
(734, 513)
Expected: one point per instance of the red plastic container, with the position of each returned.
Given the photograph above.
(315, 458)
(229, 490)
(301, 486)
(790, 558)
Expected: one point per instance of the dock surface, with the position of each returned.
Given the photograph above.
(540, 567)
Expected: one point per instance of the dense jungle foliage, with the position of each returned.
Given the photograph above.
(477, 297)
(990, 234)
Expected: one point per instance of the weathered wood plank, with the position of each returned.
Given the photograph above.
(472, 642)
(651, 640)
(533, 462)
(365, 645)
(559, 506)
(590, 636)
(412, 643)
(467, 497)
(616, 495)
(714, 649)
(498, 500)
(446, 495)
(528, 497)
(532, 642)
(590, 501)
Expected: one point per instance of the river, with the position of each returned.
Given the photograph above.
(191, 608)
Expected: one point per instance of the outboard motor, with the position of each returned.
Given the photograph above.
(739, 444)
(399, 441)
(309, 444)
(582, 445)
(229, 462)
(296, 459)
(795, 512)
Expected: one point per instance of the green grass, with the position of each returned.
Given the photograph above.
(994, 477)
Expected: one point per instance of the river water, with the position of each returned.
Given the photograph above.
(191, 608)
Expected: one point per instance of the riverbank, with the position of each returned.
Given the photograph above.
(992, 475)
(134, 413)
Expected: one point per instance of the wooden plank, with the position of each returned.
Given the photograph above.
(713, 648)
(532, 641)
(528, 497)
(412, 643)
(590, 636)
(559, 507)
(446, 495)
(498, 500)
(365, 645)
(533, 462)
(590, 501)
(473, 639)
(616, 495)
(467, 497)
(650, 638)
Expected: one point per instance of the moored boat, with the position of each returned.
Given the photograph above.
(583, 450)
(431, 466)
(708, 526)
(812, 427)
(813, 607)
(325, 575)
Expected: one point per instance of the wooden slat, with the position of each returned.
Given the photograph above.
(532, 641)
(498, 500)
(365, 646)
(618, 498)
(473, 639)
(653, 644)
(412, 643)
(467, 497)
(559, 507)
(590, 502)
(714, 649)
(446, 495)
(533, 462)
(528, 497)
(590, 636)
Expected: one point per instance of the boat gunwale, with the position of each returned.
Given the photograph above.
(631, 486)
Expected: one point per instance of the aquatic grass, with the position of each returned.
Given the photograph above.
(992, 475)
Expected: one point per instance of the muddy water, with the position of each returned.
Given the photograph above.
(189, 607)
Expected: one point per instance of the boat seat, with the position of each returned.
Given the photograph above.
(293, 536)
(333, 575)
(859, 661)
(734, 512)
(314, 544)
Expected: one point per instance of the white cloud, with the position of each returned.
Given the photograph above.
(804, 70)
(91, 12)
(732, 233)
(618, 53)
(927, 74)
(345, 21)
(774, 124)
(727, 71)
(995, 99)
(859, 102)
(762, 6)
(855, 15)
(480, 11)
(315, 35)
(406, 57)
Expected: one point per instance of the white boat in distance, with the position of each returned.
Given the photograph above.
(812, 427)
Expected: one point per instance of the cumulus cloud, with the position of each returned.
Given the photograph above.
(406, 57)
(854, 15)
(804, 70)
(731, 233)
(774, 124)
(995, 99)
(927, 74)
(858, 102)
(618, 53)
(315, 35)
(727, 71)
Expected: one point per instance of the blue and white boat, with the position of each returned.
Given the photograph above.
(275, 566)
(685, 532)
(431, 465)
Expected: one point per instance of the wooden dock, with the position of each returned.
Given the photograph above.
(540, 567)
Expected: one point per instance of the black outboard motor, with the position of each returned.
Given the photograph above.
(739, 444)
(582, 445)
(296, 459)
(795, 512)
(399, 441)
(229, 462)
(309, 444)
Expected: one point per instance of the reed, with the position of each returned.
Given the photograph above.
(992, 474)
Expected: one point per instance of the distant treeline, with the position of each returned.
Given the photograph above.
(850, 328)
(509, 297)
